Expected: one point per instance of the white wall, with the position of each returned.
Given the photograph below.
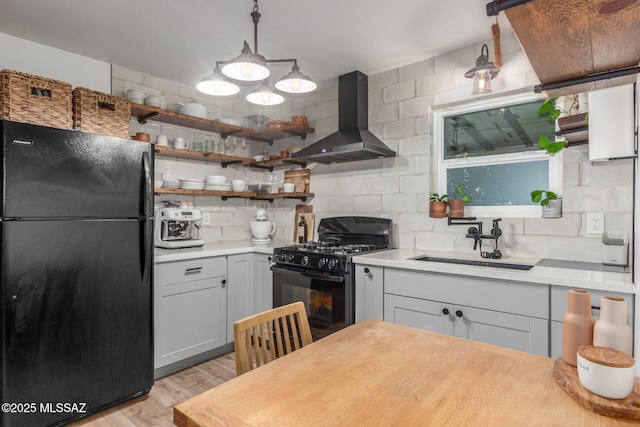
(34, 58)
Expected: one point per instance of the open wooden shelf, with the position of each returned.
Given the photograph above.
(270, 197)
(146, 112)
(271, 164)
(224, 160)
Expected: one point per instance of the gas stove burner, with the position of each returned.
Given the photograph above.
(329, 248)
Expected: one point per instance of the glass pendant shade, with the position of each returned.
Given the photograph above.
(264, 95)
(481, 82)
(247, 66)
(296, 82)
(217, 84)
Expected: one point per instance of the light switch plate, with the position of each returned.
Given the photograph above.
(595, 223)
(206, 218)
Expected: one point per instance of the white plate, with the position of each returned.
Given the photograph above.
(195, 181)
(218, 187)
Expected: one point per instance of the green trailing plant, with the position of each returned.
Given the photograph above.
(435, 197)
(543, 197)
(460, 194)
(553, 112)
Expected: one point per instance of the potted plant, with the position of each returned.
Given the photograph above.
(573, 124)
(456, 206)
(438, 205)
(550, 202)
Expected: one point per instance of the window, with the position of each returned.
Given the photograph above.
(491, 147)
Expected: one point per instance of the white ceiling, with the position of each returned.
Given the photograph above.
(180, 40)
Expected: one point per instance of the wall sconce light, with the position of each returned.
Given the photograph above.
(482, 73)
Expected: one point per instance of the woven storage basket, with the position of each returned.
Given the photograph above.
(98, 112)
(37, 100)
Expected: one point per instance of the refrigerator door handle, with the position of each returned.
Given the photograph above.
(146, 250)
(147, 187)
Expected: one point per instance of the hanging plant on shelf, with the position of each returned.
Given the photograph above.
(553, 112)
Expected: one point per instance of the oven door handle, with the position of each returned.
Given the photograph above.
(326, 277)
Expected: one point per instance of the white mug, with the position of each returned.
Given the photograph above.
(239, 185)
(262, 229)
(162, 140)
(179, 143)
(289, 187)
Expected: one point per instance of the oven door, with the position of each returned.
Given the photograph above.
(328, 297)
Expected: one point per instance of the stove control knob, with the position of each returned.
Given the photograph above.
(332, 264)
(290, 257)
(322, 262)
(305, 260)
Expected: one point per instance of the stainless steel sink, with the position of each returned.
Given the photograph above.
(482, 263)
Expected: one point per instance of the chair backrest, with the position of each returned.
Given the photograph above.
(265, 336)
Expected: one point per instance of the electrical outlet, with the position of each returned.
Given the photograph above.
(206, 218)
(595, 223)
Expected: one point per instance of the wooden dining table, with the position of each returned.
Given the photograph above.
(377, 373)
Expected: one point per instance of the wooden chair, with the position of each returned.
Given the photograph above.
(265, 336)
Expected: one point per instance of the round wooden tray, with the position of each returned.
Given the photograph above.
(567, 377)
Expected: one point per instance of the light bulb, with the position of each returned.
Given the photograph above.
(246, 70)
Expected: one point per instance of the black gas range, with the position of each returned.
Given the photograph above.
(320, 273)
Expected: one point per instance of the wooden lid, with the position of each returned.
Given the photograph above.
(605, 356)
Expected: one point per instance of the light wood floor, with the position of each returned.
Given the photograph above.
(156, 408)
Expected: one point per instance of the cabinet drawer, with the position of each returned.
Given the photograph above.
(493, 294)
(560, 300)
(168, 273)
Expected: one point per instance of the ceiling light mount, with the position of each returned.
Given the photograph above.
(250, 66)
(482, 73)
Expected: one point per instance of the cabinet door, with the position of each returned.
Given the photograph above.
(264, 282)
(507, 330)
(369, 292)
(418, 313)
(190, 318)
(240, 290)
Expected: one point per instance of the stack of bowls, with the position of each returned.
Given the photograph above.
(192, 184)
(156, 101)
(217, 183)
(136, 96)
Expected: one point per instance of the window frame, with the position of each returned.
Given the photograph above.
(441, 165)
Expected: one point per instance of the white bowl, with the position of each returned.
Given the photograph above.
(193, 109)
(605, 372)
(216, 179)
(158, 184)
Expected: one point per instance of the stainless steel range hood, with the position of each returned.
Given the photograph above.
(352, 141)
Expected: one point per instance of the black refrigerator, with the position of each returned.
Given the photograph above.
(76, 273)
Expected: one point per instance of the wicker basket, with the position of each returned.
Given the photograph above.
(98, 112)
(37, 100)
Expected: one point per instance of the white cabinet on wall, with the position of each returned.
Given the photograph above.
(559, 304)
(369, 292)
(240, 290)
(264, 283)
(513, 315)
(190, 308)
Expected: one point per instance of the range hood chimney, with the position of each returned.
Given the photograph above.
(352, 141)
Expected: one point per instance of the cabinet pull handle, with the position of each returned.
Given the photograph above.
(269, 259)
(223, 283)
(447, 313)
(368, 272)
(459, 313)
(193, 270)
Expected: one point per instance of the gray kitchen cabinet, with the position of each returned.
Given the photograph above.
(369, 292)
(559, 302)
(509, 314)
(264, 283)
(190, 308)
(240, 289)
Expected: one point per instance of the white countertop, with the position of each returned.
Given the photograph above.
(569, 277)
(216, 249)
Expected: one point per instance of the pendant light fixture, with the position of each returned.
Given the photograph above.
(250, 66)
(482, 73)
